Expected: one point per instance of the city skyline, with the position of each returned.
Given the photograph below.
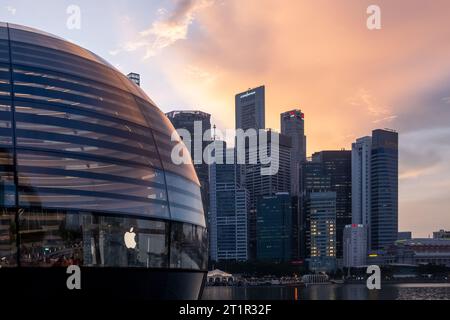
(346, 87)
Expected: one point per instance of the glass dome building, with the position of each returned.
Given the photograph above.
(86, 178)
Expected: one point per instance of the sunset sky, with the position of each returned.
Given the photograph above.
(316, 55)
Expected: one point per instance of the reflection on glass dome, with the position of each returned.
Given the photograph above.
(84, 159)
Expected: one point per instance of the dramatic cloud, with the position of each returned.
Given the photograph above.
(317, 55)
(171, 27)
(320, 57)
(381, 114)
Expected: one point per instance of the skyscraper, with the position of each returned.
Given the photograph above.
(321, 207)
(185, 120)
(228, 218)
(355, 245)
(384, 188)
(337, 166)
(361, 160)
(293, 126)
(314, 179)
(250, 109)
(258, 184)
(274, 228)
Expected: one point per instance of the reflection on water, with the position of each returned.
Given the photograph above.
(438, 291)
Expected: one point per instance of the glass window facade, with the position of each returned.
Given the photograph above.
(61, 238)
(85, 159)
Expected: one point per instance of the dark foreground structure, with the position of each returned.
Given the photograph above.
(86, 179)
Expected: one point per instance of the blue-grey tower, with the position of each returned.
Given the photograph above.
(250, 109)
(384, 188)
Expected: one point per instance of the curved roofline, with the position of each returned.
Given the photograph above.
(22, 35)
(97, 58)
(31, 29)
(51, 35)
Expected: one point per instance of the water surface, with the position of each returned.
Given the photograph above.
(413, 291)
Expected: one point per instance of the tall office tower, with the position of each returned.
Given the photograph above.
(250, 109)
(338, 166)
(293, 126)
(361, 155)
(250, 114)
(258, 184)
(186, 120)
(135, 77)
(361, 159)
(228, 218)
(355, 245)
(384, 188)
(321, 207)
(279, 178)
(314, 179)
(274, 228)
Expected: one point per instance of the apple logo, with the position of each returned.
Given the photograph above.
(129, 239)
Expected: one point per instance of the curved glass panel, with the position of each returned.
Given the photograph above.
(55, 181)
(56, 238)
(51, 238)
(188, 248)
(85, 165)
(185, 200)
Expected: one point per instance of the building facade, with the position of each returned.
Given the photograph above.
(404, 235)
(293, 126)
(384, 189)
(298, 232)
(337, 166)
(321, 207)
(441, 234)
(314, 179)
(361, 203)
(229, 214)
(276, 179)
(187, 120)
(361, 159)
(420, 251)
(250, 109)
(87, 179)
(275, 228)
(355, 245)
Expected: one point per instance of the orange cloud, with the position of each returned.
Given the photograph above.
(318, 56)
